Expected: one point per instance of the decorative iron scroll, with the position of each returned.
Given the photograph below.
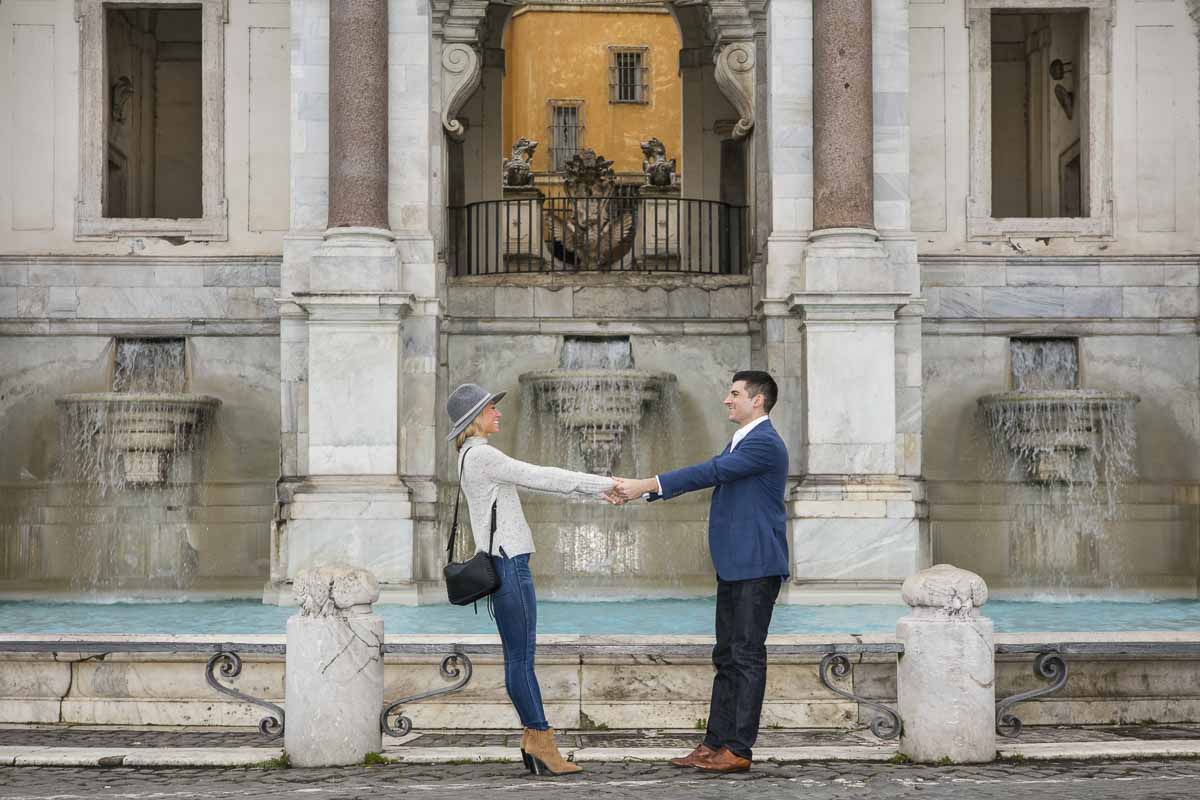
(886, 726)
(449, 670)
(231, 666)
(1050, 666)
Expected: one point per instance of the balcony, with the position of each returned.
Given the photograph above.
(623, 232)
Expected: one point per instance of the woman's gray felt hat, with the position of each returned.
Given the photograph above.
(464, 404)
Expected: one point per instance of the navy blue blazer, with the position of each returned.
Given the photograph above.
(747, 521)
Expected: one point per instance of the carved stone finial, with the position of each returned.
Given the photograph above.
(334, 590)
(589, 175)
(945, 590)
(659, 171)
(517, 170)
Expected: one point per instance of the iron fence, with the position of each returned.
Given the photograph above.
(622, 232)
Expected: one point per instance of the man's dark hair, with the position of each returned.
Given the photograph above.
(759, 382)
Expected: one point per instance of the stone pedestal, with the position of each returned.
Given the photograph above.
(856, 524)
(945, 679)
(334, 669)
(657, 237)
(352, 507)
(522, 226)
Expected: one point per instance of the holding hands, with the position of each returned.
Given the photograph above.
(626, 489)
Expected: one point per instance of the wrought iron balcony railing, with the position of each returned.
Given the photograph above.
(618, 233)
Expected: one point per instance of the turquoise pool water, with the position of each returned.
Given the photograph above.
(652, 617)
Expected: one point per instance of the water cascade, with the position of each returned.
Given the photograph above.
(1071, 449)
(597, 396)
(598, 413)
(132, 459)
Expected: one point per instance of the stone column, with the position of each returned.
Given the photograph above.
(334, 669)
(945, 679)
(358, 110)
(856, 522)
(350, 290)
(358, 253)
(843, 130)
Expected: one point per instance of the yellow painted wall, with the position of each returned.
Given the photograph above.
(561, 52)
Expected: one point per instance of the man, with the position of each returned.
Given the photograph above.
(747, 537)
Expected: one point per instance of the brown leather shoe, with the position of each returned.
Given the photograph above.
(724, 761)
(702, 751)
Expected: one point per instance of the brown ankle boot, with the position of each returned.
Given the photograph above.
(544, 755)
(525, 759)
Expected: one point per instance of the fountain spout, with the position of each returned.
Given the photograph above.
(597, 396)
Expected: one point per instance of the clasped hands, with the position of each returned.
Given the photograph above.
(627, 489)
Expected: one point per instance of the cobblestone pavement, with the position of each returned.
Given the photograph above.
(1111, 780)
(94, 736)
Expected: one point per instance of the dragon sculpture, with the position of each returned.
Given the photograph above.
(517, 169)
(659, 171)
(592, 226)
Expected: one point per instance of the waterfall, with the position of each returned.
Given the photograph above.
(1071, 450)
(130, 467)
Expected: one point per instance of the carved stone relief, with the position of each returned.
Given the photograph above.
(462, 69)
(736, 79)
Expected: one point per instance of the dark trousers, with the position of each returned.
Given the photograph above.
(743, 616)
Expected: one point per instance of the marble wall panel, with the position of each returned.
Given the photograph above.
(268, 146)
(32, 142)
(342, 358)
(1156, 161)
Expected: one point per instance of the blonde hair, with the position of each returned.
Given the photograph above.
(474, 429)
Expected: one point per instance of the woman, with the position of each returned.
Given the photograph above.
(489, 476)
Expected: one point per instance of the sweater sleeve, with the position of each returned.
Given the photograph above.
(501, 468)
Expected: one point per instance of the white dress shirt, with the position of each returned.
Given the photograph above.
(741, 432)
(738, 435)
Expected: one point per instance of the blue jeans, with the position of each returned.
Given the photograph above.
(515, 605)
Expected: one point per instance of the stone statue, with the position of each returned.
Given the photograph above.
(659, 171)
(944, 590)
(517, 171)
(589, 175)
(591, 226)
(334, 590)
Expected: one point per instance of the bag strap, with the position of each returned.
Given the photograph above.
(454, 525)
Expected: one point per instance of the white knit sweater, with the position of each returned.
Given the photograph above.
(491, 475)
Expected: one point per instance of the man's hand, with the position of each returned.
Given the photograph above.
(633, 488)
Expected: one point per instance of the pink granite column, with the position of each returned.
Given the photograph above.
(843, 127)
(358, 113)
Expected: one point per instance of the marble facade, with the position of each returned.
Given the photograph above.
(882, 293)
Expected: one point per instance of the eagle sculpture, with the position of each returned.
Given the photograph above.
(592, 226)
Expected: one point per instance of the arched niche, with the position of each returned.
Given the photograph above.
(722, 67)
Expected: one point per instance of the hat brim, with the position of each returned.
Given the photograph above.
(469, 417)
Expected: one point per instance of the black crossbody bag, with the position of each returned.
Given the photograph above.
(473, 579)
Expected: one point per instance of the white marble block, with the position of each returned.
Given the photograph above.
(334, 669)
(945, 679)
(849, 381)
(854, 541)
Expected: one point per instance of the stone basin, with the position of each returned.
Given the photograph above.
(600, 405)
(1051, 427)
(143, 426)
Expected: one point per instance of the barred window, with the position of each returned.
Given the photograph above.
(629, 73)
(566, 131)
